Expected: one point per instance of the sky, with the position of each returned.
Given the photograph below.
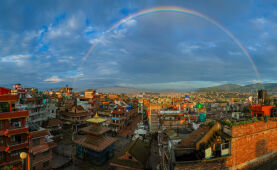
(45, 43)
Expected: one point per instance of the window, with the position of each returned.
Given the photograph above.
(16, 139)
(2, 156)
(46, 153)
(45, 164)
(16, 123)
(36, 142)
(15, 154)
(1, 140)
(2, 124)
(4, 107)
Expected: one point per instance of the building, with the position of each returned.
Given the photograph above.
(84, 102)
(96, 145)
(76, 115)
(260, 110)
(55, 128)
(134, 156)
(65, 92)
(238, 146)
(119, 118)
(40, 109)
(13, 130)
(40, 150)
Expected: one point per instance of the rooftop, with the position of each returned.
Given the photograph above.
(96, 144)
(96, 119)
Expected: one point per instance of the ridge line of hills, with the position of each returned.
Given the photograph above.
(270, 87)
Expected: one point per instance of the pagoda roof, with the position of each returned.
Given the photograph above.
(96, 119)
(95, 130)
(96, 144)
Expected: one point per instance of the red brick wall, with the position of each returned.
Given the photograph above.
(251, 141)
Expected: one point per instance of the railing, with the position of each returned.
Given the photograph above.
(17, 146)
(14, 114)
(16, 131)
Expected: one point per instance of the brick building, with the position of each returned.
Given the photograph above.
(251, 145)
(40, 150)
(13, 130)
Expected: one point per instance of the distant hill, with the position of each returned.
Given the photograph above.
(120, 89)
(270, 87)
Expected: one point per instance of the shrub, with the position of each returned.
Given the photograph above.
(261, 118)
(228, 122)
(266, 118)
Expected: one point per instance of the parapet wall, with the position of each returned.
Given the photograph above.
(252, 143)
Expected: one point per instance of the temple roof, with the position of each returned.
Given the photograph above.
(96, 119)
(96, 144)
(95, 130)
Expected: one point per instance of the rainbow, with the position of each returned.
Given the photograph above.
(178, 10)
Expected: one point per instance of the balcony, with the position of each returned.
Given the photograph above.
(15, 130)
(15, 114)
(17, 146)
(9, 97)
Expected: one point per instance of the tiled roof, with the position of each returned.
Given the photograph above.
(139, 150)
(39, 148)
(54, 122)
(96, 144)
(95, 130)
(196, 135)
(72, 114)
(41, 133)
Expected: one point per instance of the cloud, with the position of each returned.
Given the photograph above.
(259, 21)
(20, 59)
(157, 49)
(53, 79)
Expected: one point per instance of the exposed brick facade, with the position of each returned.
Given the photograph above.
(252, 143)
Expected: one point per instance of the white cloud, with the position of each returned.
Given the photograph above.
(130, 22)
(251, 48)
(259, 21)
(234, 53)
(188, 48)
(20, 59)
(107, 68)
(65, 59)
(66, 28)
(53, 79)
